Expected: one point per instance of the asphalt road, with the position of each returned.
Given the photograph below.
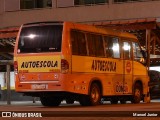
(27, 110)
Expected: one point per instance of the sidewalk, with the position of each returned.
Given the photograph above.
(38, 103)
(28, 103)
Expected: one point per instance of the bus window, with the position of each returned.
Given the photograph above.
(35, 39)
(78, 43)
(91, 45)
(112, 47)
(137, 52)
(126, 50)
(99, 46)
(95, 45)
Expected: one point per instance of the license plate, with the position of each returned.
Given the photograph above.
(39, 86)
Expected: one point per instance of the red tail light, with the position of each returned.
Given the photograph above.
(15, 66)
(64, 66)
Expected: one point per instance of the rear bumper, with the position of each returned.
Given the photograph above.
(64, 82)
(60, 94)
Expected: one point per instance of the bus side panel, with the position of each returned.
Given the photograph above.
(108, 71)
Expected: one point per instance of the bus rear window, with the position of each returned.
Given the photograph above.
(46, 38)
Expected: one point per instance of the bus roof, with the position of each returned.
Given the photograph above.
(44, 22)
(100, 30)
(87, 28)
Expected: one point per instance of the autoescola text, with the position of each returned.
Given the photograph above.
(39, 64)
(102, 65)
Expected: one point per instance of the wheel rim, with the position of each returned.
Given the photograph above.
(95, 94)
(137, 93)
(137, 96)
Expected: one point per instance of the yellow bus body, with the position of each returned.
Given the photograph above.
(41, 72)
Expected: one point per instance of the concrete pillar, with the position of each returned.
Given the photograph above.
(54, 3)
(8, 85)
(2, 6)
(148, 39)
(153, 39)
(110, 2)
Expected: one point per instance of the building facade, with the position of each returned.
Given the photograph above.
(17, 12)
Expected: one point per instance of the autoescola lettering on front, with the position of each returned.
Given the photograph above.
(103, 65)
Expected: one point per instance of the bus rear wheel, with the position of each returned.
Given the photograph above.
(94, 97)
(137, 95)
(49, 101)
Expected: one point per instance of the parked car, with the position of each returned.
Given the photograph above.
(154, 84)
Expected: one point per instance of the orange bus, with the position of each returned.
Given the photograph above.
(59, 61)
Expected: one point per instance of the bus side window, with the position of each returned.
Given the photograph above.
(126, 50)
(91, 44)
(95, 45)
(78, 43)
(99, 46)
(137, 54)
(112, 47)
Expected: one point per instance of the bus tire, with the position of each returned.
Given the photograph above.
(137, 95)
(94, 97)
(49, 101)
(95, 94)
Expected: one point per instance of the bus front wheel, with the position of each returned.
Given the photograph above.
(94, 97)
(49, 101)
(137, 95)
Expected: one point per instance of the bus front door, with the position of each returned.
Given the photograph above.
(127, 67)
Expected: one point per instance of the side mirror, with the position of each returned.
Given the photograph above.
(144, 54)
(144, 57)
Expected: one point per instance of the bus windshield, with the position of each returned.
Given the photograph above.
(44, 38)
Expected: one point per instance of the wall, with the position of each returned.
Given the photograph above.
(65, 3)
(1, 6)
(129, 10)
(12, 5)
(1, 12)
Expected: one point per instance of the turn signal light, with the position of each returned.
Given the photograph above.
(15, 67)
(64, 66)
